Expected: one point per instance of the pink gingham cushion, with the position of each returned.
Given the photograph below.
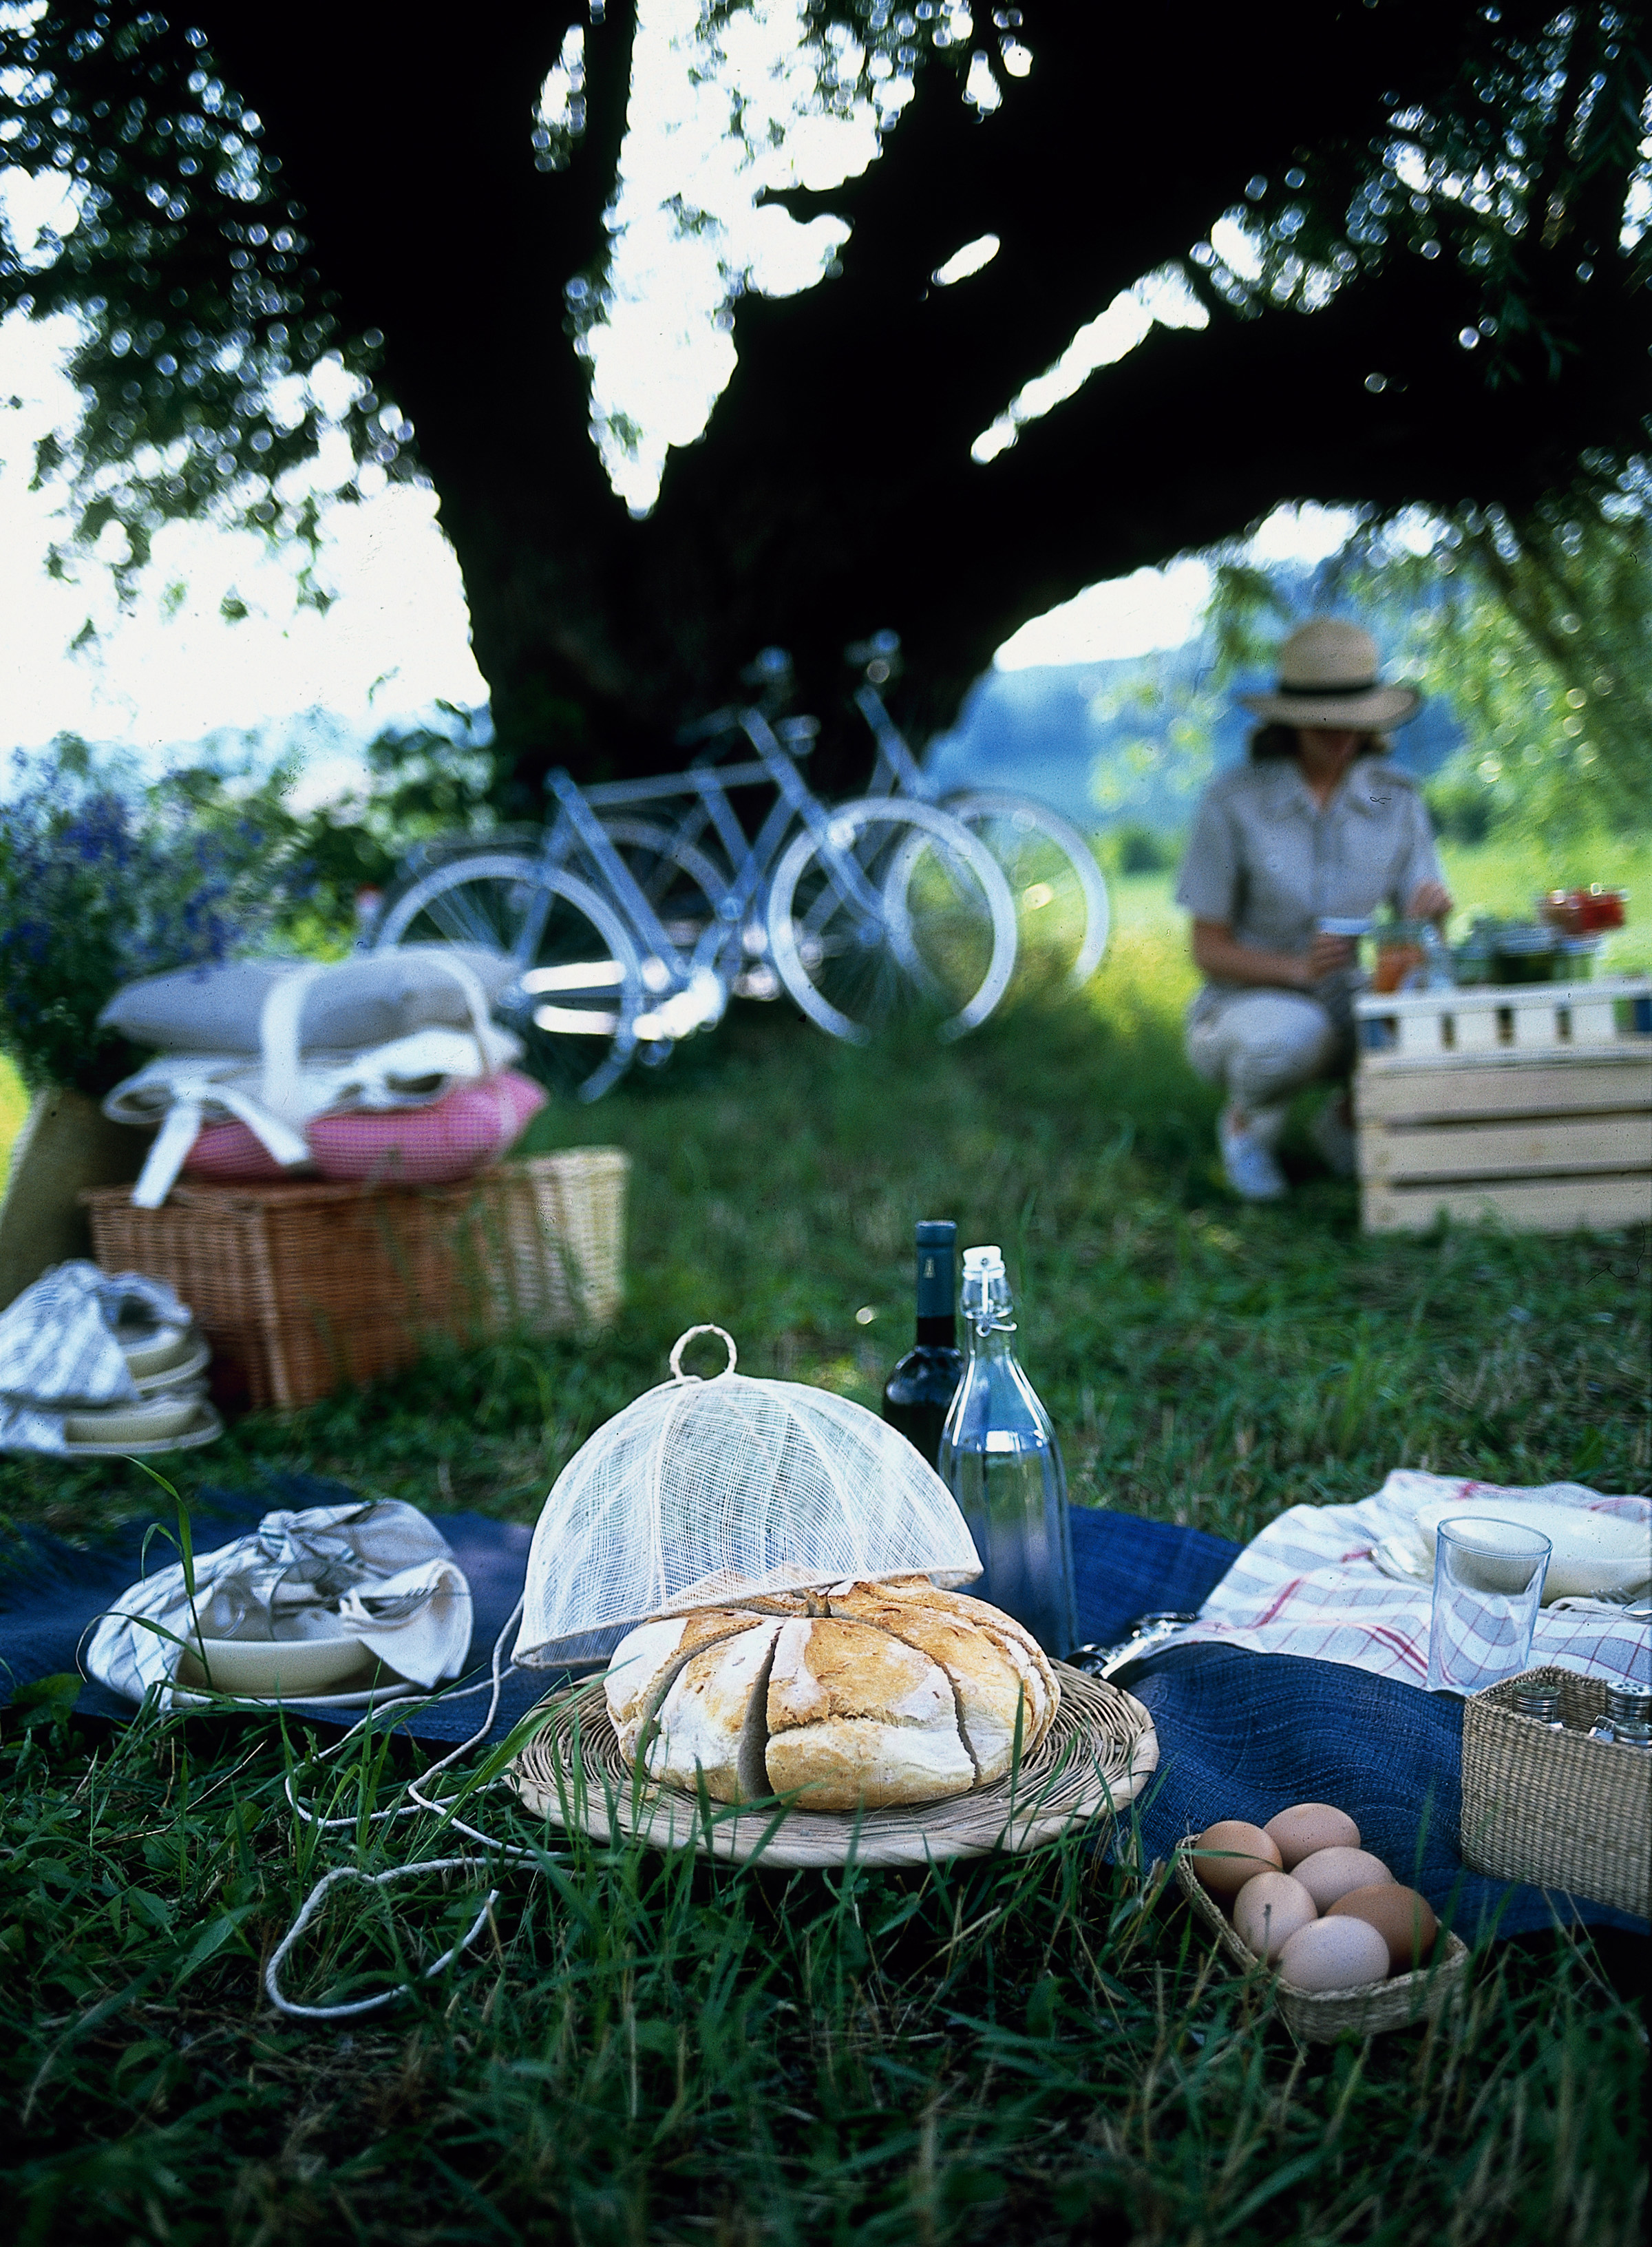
(428, 1146)
(454, 1136)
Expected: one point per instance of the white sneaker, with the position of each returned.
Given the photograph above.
(1252, 1170)
(1333, 1135)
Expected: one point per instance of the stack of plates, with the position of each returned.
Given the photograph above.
(170, 1412)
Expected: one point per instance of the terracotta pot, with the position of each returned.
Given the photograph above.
(66, 1143)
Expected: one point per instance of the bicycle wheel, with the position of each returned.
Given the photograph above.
(1061, 897)
(580, 985)
(893, 914)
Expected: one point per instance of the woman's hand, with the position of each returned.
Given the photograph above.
(1325, 956)
(1218, 954)
(1429, 901)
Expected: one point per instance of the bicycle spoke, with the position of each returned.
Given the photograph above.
(1060, 899)
(933, 947)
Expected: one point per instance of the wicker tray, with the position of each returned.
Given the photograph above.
(1095, 1759)
(1321, 2016)
(1556, 1808)
(300, 1287)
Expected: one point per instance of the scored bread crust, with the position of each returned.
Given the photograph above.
(988, 1695)
(710, 1725)
(1012, 1639)
(644, 1666)
(865, 1695)
(858, 1719)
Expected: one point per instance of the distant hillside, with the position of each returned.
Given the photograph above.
(1125, 743)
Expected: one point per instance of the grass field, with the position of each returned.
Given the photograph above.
(647, 2051)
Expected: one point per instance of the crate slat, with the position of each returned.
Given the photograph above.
(1565, 1145)
(1598, 1204)
(1503, 1086)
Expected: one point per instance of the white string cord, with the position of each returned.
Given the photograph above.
(312, 1904)
(493, 1685)
(418, 1803)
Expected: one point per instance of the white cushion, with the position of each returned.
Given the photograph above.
(368, 999)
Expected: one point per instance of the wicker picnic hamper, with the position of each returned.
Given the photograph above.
(1556, 1808)
(1321, 2016)
(300, 1286)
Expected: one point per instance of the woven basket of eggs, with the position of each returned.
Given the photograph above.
(1351, 1950)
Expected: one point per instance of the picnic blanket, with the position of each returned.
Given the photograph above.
(1239, 1735)
(1310, 1584)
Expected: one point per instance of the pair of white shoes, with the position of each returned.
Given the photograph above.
(1248, 1160)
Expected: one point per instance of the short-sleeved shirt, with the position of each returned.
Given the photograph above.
(1267, 862)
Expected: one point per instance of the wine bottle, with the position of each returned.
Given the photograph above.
(917, 1392)
(1000, 1459)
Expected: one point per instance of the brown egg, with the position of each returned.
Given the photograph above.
(1230, 1852)
(1332, 1873)
(1307, 1827)
(1403, 1919)
(1268, 1910)
(1334, 1953)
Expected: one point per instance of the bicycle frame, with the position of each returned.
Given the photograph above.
(751, 858)
(896, 771)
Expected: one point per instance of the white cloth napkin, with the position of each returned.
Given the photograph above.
(58, 1353)
(1310, 1584)
(380, 1572)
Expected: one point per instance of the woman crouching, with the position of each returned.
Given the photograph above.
(1317, 828)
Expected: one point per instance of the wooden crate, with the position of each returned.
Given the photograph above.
(1539, 1018)
(302, 1285)
(1528, 1108)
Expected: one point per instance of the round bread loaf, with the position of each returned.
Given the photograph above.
(866, 1695)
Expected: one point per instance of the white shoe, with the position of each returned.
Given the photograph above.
(1333, 1135)
(1252, 1170)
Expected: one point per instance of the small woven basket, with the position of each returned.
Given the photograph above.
(1321, 2016)
(1093, 1760)
(1558, 1809)
(300, 1286)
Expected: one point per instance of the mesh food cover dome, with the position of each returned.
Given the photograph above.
(702, 1492)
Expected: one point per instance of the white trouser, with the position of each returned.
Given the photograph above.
(1262, 1046)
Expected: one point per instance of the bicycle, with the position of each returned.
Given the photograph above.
(1061, 908)
(630, 933)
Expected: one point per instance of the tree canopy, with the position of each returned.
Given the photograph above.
(1400, 243)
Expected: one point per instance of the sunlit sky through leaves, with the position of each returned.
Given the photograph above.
(771, 99)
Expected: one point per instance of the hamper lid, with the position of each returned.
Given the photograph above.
(701, 1493)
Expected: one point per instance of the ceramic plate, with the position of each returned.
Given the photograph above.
(204, 1427)
(194, 1358)
(1596, 1556)
(279, 1668)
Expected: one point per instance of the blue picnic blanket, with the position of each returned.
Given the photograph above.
(1241, 1734)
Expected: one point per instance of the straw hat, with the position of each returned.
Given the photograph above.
(1328, 678)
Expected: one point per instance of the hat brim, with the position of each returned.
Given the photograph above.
(1360, 713)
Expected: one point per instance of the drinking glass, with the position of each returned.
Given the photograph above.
(1488, 1579)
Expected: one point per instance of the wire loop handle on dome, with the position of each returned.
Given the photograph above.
(702, 1492)
(682, 1342)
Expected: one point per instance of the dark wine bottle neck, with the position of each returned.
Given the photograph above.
(938, 1332)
